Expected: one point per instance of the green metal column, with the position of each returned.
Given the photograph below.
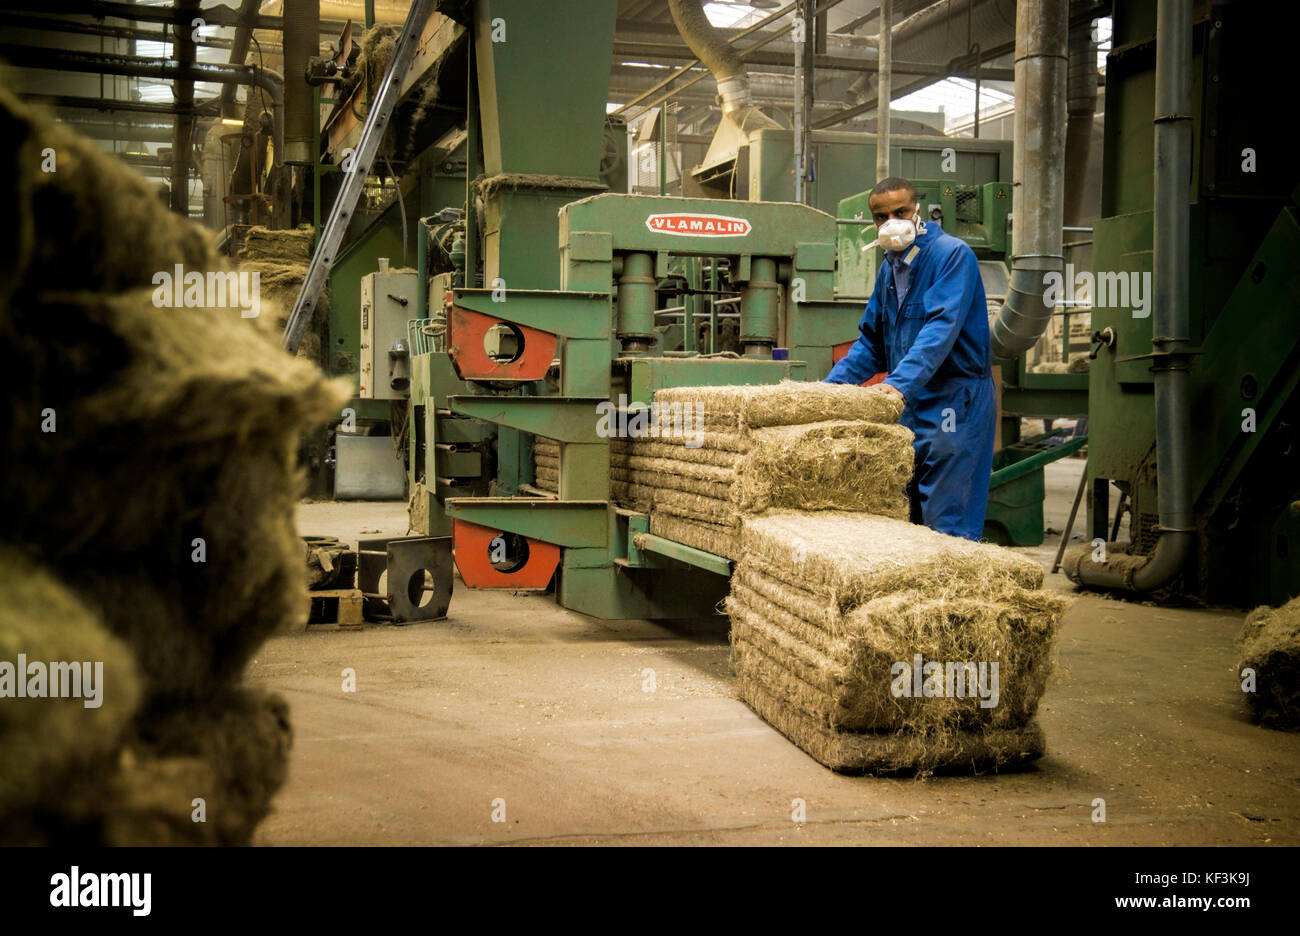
(421, 268)
(691, 302)
(537, 156)
(714, 280)
(758, 307)
(663, 149)
(636, 303)
(473, 164)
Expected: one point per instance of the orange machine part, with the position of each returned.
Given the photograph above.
(840, 350)
(472, 545)
(465, 345)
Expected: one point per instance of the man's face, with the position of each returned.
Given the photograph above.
(889, 205)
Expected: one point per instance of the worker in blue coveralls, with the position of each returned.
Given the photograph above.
(926, 326)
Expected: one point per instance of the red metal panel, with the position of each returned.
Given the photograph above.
(466, 332)
(840, 350)
(473, 548)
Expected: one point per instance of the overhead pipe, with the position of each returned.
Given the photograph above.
(151, 13)
(202, 109)
(109, 128)
(777, 98)
(239, 51)
(740, 117)
(1037, 174)
(301, 43)
(657, 98)
(164, 69)
(184, 52)
(648, 92)
(1081, 105)
(1170, 320)
(781, 58)
(137, 33)
(715, 52)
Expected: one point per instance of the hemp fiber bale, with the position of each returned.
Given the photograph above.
(846, 679)
(849, 752)
(824, 605)
(788, 403)
(1270, 645)
(848, 559)
(153, 478)
(48, 742)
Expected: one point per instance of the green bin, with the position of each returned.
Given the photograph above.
(1014, 516)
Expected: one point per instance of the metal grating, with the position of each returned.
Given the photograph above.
(1148, 532)
(968, 203)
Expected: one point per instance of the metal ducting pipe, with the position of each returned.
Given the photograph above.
(1170, 322)
(712, 49)
(1037, 173)
(137, 33)
(166, 69)
(102, 127)
(301, 42)
(218, 15)
(1081, 105)
(105, 105)
(184, 53)
(239, 50)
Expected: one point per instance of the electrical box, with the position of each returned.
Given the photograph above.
(388, 302)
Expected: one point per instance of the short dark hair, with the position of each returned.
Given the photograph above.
(893, 184)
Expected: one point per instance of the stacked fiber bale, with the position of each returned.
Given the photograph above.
(148, 513)
(747, 449)
(281, 258)
(546, 464)
(1270, 646)
(826, 610)
(546, 467)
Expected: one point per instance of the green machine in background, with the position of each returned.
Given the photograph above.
(1243, 469)
(977, 213)
(844, 164)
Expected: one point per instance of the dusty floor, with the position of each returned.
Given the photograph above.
(514, 707)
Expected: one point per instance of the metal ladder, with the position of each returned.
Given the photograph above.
(354, 178)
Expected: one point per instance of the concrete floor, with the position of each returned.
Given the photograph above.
(517, 707)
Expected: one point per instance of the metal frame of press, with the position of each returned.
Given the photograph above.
(594, 338)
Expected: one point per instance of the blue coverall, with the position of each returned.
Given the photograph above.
(936, 353)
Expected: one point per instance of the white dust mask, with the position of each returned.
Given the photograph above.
(897, 233)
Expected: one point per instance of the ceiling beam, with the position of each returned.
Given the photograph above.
(648, 51)
(202, 109)
(213, 16)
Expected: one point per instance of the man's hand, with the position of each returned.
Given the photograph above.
(888, 390)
